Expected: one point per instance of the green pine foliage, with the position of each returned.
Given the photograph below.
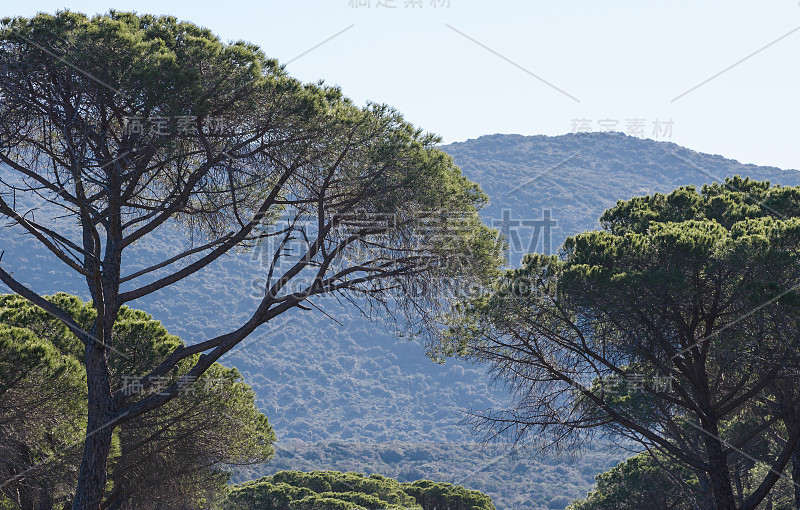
(523, 481)
(174, 457)
(639, 482)
(432, 495)
(660, 484)
(331, 490)
(656, 292)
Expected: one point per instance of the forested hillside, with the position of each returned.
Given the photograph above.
(328, 380)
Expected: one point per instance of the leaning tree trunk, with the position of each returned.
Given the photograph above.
(99, 430)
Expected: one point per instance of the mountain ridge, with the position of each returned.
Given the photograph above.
(566, 136)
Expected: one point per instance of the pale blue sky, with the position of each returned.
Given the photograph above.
(471, 68)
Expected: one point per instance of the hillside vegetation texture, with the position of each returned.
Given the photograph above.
(323, 382)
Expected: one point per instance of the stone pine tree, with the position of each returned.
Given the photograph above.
(175, 458)
(676, 326)
(128, 123)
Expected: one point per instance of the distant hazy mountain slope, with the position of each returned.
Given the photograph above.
(577, 176)
(319, 381)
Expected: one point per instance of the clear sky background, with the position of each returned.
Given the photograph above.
(465, 68)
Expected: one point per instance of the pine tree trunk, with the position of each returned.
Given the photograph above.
(796, 475)
(719, 475)
(93, 470)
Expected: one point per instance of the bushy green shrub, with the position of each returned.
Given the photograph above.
(333, 490)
